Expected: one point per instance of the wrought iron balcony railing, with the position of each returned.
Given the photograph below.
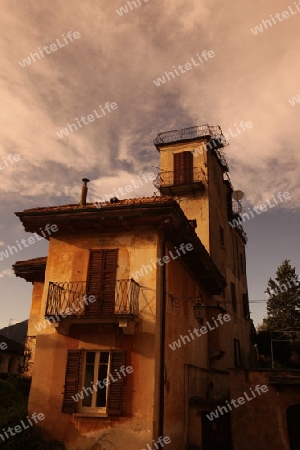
(212, 131)
(71, 298)
(180, 177)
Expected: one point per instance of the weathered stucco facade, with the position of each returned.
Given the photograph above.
(161, 256)
(272, 419)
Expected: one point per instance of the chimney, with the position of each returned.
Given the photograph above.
(84, 191)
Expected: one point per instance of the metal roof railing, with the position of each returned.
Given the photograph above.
(212, 131)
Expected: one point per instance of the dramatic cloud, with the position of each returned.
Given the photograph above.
(116, 59)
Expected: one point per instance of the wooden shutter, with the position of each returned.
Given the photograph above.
(71, 381)
(114, 405)
(183, 167)
(94, 281)
(101, 281)
(109, 281)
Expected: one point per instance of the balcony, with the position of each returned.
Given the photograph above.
(181, 181)
(71, 302)
(191, 133)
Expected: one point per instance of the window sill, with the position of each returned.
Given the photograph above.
(91, 414)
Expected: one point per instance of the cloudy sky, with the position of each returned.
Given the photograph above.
(115, 59)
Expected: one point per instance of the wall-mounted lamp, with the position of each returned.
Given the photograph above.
(198, 308)
(199, 312)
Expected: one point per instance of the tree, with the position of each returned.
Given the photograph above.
(261, 327)
(283, 305)
(14, 392)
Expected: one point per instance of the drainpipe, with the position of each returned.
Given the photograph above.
(158, 416)
(162, 346)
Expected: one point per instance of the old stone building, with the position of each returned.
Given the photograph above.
(125, 288)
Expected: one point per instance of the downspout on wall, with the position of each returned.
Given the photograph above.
(158, 419)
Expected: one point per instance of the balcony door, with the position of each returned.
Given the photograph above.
(101, 281)
(183, 168)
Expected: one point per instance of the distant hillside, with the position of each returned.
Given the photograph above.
(16, 332)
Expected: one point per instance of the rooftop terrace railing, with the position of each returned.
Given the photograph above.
(213, 131)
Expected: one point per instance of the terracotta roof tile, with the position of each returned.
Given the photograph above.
(41, 260)
(32, 269)
(95, 205)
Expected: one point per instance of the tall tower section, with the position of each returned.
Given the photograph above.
(194, 171)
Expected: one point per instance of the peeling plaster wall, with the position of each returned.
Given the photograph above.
(68, 261)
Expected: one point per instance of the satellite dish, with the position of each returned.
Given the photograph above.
(237, 195)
